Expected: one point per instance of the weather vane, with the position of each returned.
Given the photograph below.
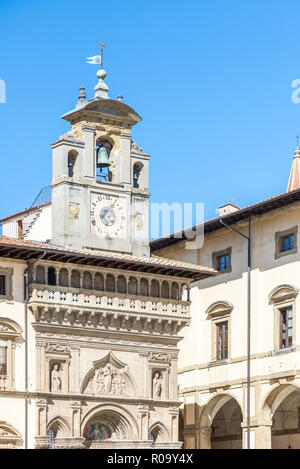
(297, 137)
(97, 59)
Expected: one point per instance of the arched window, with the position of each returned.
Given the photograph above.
(144, 287)
(103, 151)
(121, 284)
(72, 157)
(154, 288)
(51, 276)
(175, 291)
(165, 289)
(40, 274)
(75, 279)
(132, 286)
(110, 283)
(87, 281)
(63, 278)
(98, 282)
(51, 436)
(137, 168)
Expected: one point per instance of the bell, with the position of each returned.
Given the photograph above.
(102, 158)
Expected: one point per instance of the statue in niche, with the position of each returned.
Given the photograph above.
(157, 386)
(56, 381)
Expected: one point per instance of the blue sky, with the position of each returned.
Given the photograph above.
(211, 79)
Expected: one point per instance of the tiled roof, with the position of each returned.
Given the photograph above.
(267, 205)
(62, 253)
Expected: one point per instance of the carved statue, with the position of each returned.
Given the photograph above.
(157, 386)
(108, 380)
(56, 379)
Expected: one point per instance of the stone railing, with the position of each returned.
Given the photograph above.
(65, 306)
(3, 383)
(113, 301)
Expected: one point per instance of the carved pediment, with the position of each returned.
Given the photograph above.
(283, 293)
(8, 434)
(109, 376)
(219, 308)
(9, 328)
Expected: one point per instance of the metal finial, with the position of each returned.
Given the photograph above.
(82, 93)
(102, 46)
(297, 137)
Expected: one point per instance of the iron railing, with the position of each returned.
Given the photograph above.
(44, 196)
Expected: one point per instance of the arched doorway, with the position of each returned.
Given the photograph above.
(109, 428)
(226, 427)
(221, 423)
(286, 422)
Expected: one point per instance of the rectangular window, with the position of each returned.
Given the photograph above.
(287, 243)
(222, 340)
(3, 361)
(223, 262)
(2, 285)
(286, 327)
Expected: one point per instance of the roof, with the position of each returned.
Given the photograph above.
(214, 224)
(110, 108)
(25, 213)
(26, 250)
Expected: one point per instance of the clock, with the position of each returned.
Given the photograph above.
(108, 216)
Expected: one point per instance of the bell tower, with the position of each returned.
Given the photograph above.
(100, 195)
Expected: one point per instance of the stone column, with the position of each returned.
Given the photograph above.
(143, 415)
(76, 418)
(89, 151)
(174, 414)
(42, 408)
(125, 157)
(260, 434)
(205, 437)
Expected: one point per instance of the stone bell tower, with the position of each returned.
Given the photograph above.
(100, 194)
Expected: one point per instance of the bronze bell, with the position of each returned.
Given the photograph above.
(102, 158)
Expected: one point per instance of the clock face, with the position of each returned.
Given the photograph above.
(108, 218)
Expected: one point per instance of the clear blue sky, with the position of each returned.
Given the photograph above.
(211, 79)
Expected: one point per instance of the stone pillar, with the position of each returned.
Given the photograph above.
(143, 415)
(42, 408)
(125, 158)
(174, 414)
(89, 151)
(76, 418)
(205, 437)
(260, 434)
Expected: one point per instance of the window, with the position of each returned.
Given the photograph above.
(51, 276)
(103, 163)
(222, 340)
(219, 313)
(6, 284)
(2, 285)
(286, 327)
(286, 242)
(137, 168)
(3, 361)
(221, 260)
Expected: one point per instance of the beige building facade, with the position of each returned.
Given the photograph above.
(89, 321)
(213, 353)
